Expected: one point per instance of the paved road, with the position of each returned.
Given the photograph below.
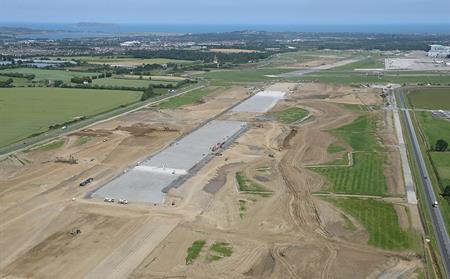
(440, 230)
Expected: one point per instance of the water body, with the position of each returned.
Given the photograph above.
(65, 30)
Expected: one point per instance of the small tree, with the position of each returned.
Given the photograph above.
(147, 93)
(441, 145)
(446, 192)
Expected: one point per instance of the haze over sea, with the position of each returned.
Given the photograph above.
(67, 30)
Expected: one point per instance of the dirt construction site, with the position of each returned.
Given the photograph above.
(51, 227)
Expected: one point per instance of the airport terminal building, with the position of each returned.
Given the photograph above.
(439, 51)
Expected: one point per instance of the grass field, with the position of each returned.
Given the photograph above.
(129, 82)
(364, 177)
(442, 162)
(291, 115)
(352, 77)
(369, 63)
(360, 134)
(333, 148)
(245, 75)
(125, 61)
(27, 111)
(381, 221)
(184, 99)
(430, 98)
(434, 128)
(44, 74)
(194, 251)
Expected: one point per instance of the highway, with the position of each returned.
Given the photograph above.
(440, 230)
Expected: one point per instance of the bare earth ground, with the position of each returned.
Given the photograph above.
(289, 234)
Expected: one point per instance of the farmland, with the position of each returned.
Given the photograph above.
(434, 128)
(27, 111)
(430, 98)
(44, 74)
(125, 61)
(441, 160)
(138, 83)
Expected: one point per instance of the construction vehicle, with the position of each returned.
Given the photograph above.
(108, 200)
(123, 201)
(87, 181)
(75, 231)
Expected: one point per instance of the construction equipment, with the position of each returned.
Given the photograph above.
(123, 201)
(108, 200)
(87, 181)
(75, 231)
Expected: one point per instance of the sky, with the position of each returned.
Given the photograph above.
(228, 11)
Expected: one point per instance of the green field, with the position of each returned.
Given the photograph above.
(291, 115)
(44, 74)
(138, 83)
(246, 75)
(27, 111)
(441, 160)
(184, 99)
(125, 61)
(360, 134)
(381, 222)
(333, 148)
(364, 177)
(434, 128)
(368, 63)
(430, 98)
(352, 77)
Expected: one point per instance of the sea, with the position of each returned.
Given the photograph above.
(68, 30)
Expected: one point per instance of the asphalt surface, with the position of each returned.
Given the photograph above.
(440, 230)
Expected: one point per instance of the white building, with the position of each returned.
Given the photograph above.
(439, 51)
(130, 43)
